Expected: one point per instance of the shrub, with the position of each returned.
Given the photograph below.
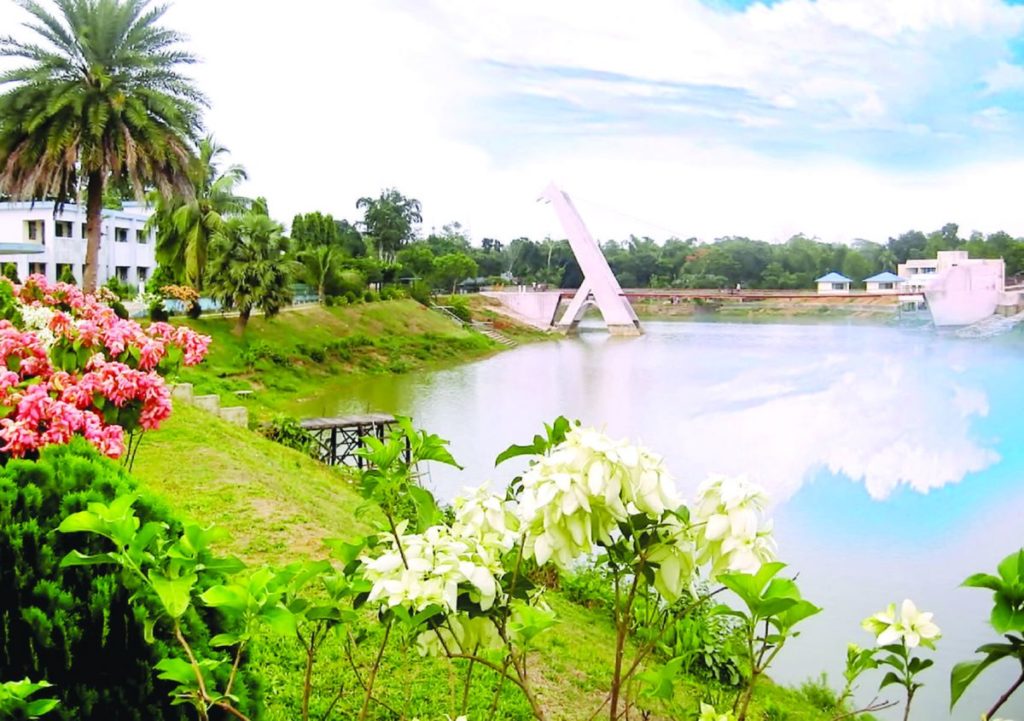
(351, 298)
(122, 290)
(460, 308)
(157, 312)
(287, 431)
(314, 353)
(261, 350)
(370, 296)
(420, 292)
(11, 272)
(74, 626)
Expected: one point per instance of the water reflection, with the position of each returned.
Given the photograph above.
(893, 455)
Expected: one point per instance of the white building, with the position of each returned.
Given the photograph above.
(833, 284)
(919, 273)
(38, 241)
(885, 282)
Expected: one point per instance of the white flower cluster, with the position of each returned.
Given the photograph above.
(430, 567)
(580, 492)
(487, 518)
(37, 319)
(731, 531)
(460, 634)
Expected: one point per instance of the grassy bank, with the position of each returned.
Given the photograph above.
(279, 506)
(283, 360)
(810, 309)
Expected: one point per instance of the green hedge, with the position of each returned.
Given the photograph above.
(74, 626)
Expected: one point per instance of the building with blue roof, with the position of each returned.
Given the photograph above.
(884, 282)
(833, 284)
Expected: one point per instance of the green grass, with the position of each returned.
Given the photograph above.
(279, 506)
(287, 359)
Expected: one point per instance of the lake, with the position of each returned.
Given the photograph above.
(893, 456)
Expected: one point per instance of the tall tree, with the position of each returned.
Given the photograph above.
(390, 221)
(249, 269)
(319, 266)
(314, 229)
(185, 224)
(99, 99)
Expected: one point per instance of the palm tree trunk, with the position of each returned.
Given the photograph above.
(243, 319)
(93, 228)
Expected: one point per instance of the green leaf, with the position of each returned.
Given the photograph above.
(230, 598)
(964, 673)
(35, 709)
(177, 670)
(515, 451)
(983, 580)
(280, 620)
(83, 522)
(427, 512)
(890, 679)
(77, 558)
(225, 639)
(175, 593)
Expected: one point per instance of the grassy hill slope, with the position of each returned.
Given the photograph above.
(279, 506)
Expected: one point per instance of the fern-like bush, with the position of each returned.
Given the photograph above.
(74, 626)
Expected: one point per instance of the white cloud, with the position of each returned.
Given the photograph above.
(1003, 77)
(885, 426)
(325, 103)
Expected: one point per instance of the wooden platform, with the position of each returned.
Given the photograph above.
(338, 439)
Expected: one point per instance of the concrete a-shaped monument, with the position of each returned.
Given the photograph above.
(599, 288)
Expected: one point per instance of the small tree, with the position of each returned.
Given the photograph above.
(451, 268)
(249, 269)
(319, 266)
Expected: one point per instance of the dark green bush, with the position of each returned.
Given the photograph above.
(261, 350)
(287, 431)
(351, 298)
(157, 312)
(314, 353)
(74, 626)
(11, 273)
(370, 296)
(119, 310)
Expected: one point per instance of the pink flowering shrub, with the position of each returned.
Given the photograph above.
(69, 366)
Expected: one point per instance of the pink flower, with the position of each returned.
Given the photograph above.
(20, 437)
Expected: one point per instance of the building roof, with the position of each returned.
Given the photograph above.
(833, 277)
(885, 277)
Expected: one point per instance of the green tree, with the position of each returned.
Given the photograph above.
(389, 220)
(310, 230)
(249, 269)
(319, 266)
(100, 98)
(186, 223)
(417, 259)
(451, 268)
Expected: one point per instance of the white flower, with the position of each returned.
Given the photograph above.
(486, 517)
(578, 494)
(436, 564)
(674, 556)
(913, 628)
(732, 533)
(37, 318)
(460, 634)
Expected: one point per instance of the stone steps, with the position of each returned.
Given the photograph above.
(184, 392)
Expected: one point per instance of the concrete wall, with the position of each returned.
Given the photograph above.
(539, 307)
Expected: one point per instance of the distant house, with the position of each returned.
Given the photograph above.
(884, 282)
(833, 283)
(920, 272)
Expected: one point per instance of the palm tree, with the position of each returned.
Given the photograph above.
(100, 99)
(319, 264)
(185, 224)
(248, 266)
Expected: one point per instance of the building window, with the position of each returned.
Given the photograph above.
(122, 273)
(142, 274)
(37, 268)
(885, 286)
(35, 231)
(121, 235)
(140, 236)
(85, 233)
(62, 228)
(839, 286)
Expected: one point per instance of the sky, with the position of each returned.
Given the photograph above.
(840, 119)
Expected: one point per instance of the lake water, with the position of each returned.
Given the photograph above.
(894, 456)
